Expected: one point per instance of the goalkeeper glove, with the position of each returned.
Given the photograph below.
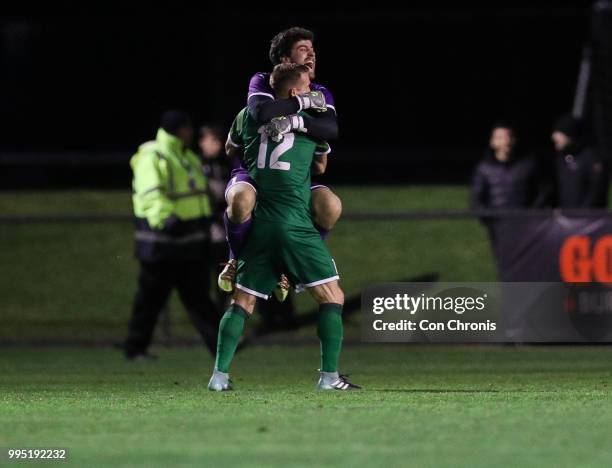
(279, 126)
(314, 100)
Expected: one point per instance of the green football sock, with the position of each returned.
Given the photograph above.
(230, 331)
(329, 331)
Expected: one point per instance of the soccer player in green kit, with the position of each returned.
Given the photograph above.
(283, 238)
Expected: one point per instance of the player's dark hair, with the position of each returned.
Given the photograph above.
(286, 75)
(283, 42)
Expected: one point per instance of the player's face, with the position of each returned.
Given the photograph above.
(303, 86)
(560, 140)
(303, 53)
(502, 139)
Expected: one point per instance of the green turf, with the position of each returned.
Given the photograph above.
(66, 202)
(77, 280)
(354, 198)
(423, 406)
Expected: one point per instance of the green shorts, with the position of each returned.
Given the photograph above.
(274, 248)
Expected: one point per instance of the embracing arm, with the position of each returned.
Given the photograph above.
(324, 126)
(319, 164)
(319, 161)
(264, 108)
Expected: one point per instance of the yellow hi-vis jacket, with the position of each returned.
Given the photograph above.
(170, 196)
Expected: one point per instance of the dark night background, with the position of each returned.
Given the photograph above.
(416, 88)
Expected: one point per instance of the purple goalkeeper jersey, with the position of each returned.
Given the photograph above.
(260, 86)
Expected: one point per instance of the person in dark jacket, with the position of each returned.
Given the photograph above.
(505, 179)
(582, 177)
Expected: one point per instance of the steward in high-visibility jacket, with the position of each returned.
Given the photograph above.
(171, 202)
(172, 211)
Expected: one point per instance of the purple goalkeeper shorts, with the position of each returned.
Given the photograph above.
(241, 176)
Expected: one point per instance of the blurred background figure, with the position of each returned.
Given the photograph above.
(172, 216)
(506, 178)
(217, 169)
(582, 179)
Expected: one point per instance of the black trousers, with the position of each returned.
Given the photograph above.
(155, 283)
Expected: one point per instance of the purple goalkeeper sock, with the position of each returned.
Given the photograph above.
(236, 234)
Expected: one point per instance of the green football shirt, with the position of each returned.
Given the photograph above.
(280, 170)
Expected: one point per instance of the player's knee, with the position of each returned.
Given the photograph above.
(244, 300)
(326, 207)
(338, 296)
(328, 293)
(241, 201)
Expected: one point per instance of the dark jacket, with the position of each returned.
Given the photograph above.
(217, 171)
(582, 179)
(513, 184)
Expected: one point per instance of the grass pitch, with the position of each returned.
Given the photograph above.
(422, 406)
